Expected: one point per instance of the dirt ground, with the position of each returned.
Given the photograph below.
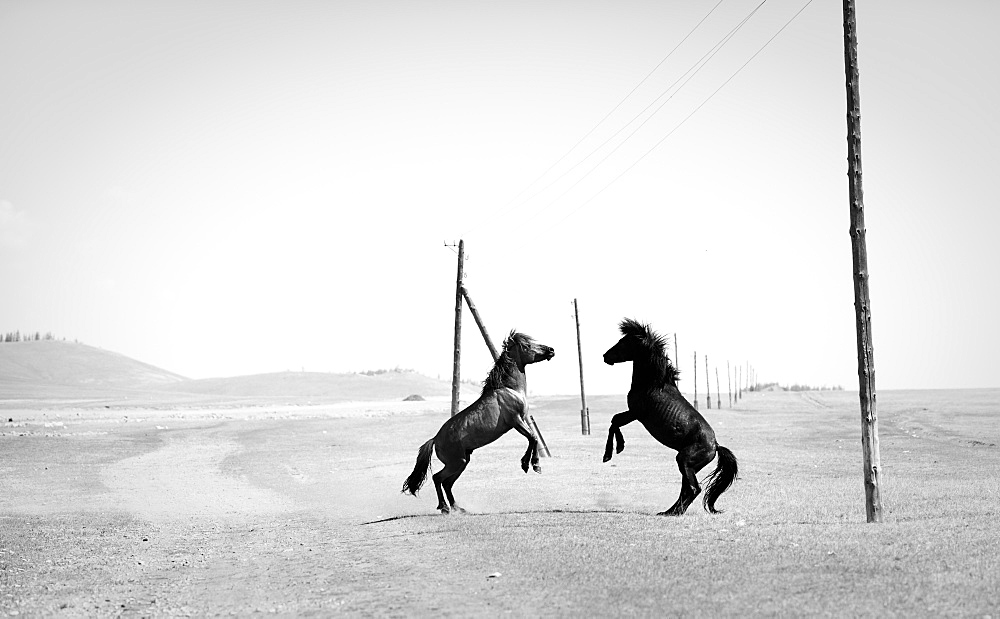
(296, 511)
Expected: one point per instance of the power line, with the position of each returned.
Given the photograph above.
(600, 122)
(697, 67)
(690, 73)
(686, 118)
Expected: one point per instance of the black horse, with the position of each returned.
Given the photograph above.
(503, 405)
(656, 402)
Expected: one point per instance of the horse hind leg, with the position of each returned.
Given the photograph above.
(689, 465)
(447, 484)
(438, 487)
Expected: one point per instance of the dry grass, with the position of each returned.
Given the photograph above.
(580, 539)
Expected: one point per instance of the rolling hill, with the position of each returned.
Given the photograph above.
(54, 362)
(85, 375)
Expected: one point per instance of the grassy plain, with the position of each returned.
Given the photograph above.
(296, 511)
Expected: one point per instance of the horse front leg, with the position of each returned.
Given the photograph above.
(531, 455)
(615, 433)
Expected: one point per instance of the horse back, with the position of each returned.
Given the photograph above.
(479, 424)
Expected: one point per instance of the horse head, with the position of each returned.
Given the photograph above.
(634, 344)
(526, 349)
(627, 349)
(640, 343)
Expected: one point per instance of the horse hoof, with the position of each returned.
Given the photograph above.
(620, 448)
(444, 509)
(455, 509)
(607, 457)
(524, 467)
(670, 512)
(537, 468)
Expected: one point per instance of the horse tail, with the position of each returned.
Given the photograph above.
(720, 479)
(419, 474)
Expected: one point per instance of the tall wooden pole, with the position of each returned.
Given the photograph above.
(729, 383)
(718, 392)
(708, 385)
(456, 370)
(677, 359)
(479, 322)
(859, 250)
(544, 451)
(695, 381)
(584, 412)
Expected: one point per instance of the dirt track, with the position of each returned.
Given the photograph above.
(232, 512)
(298, 512)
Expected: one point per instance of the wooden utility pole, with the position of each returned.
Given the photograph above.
(544, 448)
(708, 385)
(718, 392)
(729, 383)
(479, 321)
(859, 250)
(676, 358)
(584, 412)
(695, 381)
(456, 369)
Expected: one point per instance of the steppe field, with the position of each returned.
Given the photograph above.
(247, 508)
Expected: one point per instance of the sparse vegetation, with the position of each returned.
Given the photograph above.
(395, 370)
(773, 386)
(798, 387)
(17, 336)
(581, 539)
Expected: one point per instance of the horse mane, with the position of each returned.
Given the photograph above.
(505, 364)
(656, 345)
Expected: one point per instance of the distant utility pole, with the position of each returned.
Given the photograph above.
(584, 412)
(729, 383)
(676, 358)
(859, 250)
(456, 369)
(718, 392)
(695, 381)
(708, 385)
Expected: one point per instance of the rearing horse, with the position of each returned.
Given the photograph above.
(502, 405)
(656, 402)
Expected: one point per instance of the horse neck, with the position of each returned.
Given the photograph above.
(646, 374)
(515, 378)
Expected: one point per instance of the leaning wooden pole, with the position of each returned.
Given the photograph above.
(456, 369)
(584, 411)
(859, 250)
(479, 322)
(544, 451)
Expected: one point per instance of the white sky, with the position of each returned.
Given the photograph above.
(224, 188)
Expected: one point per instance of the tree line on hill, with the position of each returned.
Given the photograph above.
(17, 336)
